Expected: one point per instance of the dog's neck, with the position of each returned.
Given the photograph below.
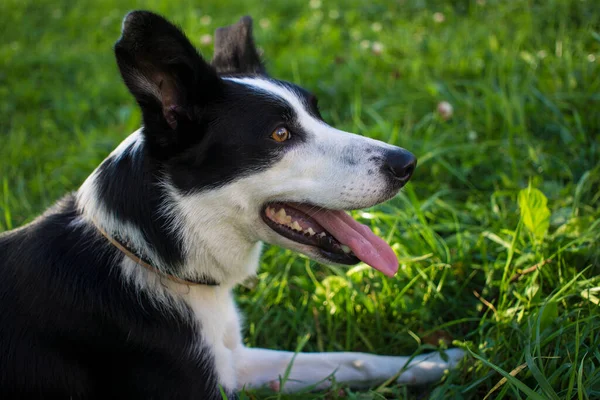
(190, 237)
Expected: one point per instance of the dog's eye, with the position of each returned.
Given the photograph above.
(281, 134)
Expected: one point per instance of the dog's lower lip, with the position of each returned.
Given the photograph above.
(325, 244)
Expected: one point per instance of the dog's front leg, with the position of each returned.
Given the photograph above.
(261, 367)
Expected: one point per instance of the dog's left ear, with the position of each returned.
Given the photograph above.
(166, 75)
(235, 52)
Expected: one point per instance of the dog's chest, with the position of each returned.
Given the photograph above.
(216, 314)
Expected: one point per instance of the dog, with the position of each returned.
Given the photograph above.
(124, 288)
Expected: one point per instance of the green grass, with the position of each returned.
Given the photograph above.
(524, 80)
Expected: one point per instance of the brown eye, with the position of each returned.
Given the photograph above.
(281, 134)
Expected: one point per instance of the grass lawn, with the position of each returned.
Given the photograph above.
(498, 231)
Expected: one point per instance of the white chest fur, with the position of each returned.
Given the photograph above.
(217, 315)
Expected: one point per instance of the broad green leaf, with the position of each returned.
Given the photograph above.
(536, 214)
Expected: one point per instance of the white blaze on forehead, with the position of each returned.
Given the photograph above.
(289, 96)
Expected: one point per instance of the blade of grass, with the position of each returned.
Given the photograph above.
(511, 379)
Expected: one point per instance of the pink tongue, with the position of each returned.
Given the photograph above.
(365, 245)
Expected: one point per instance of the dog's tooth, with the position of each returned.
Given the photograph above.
(321, 235)
(288, 220)
(346, 249)
(280, 216)
(310, 232)
(296, 226)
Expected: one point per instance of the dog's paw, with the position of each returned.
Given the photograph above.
(430, 367)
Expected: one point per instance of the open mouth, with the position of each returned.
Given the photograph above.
(334, 234)
(293, 224)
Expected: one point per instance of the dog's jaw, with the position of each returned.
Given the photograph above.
(210, 225)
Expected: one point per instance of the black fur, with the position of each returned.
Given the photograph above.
(235, 52)
(169, 79)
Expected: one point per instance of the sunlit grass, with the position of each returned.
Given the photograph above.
(524, 82)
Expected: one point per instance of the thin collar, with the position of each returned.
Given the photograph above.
(121, 245)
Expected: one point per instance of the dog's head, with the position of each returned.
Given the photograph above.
(245, 158)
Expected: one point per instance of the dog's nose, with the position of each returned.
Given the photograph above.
(400, 164)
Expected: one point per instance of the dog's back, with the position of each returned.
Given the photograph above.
(72, 327)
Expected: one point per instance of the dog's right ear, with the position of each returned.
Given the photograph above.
(235, 52)
(165, 73)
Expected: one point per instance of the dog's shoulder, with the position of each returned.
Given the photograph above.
(71, 325)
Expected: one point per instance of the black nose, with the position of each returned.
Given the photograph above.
(400, 164)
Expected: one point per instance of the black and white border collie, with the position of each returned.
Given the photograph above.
(123, 289)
